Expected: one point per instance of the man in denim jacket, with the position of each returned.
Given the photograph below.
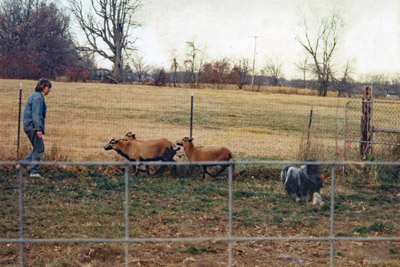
(34, 122)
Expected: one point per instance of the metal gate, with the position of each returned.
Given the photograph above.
(384, 125)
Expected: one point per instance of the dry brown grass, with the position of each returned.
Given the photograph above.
(82, 117)
(263, 89)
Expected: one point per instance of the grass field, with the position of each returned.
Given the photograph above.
(270, 124)
(88, 202)
(82, 117)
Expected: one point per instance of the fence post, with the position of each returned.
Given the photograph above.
(309, 127)
(126, 214)
(230, 196)
(191, 115)
(366, 123)
(21, 215)
(19, 119)
(332, 218)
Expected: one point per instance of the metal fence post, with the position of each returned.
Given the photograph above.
(191, 115)
(230, 239)
(21, 216)
(19, 118)
(345, 137)
(230, 212)
(332, 230)
(309, 127)
(126, 215)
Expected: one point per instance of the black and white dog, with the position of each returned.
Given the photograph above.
(303, 184)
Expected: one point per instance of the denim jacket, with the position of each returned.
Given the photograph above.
(35, 112)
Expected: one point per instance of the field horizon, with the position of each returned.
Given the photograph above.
(82, 117)
(87, 201)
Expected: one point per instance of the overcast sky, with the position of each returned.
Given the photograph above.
(371, 36)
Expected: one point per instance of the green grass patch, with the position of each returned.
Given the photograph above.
(91, 204)
(380, 227)
(192, 249)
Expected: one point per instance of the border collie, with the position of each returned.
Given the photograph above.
(303, 184)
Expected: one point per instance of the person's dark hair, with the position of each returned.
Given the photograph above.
(42, 83)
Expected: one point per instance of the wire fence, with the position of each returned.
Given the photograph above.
(230, 238)
(81, 118)
(385, 124)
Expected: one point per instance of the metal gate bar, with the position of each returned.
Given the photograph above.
(229, 239)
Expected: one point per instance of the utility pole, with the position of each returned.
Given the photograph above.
(254, 59)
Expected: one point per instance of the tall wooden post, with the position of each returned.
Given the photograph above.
(366, 123)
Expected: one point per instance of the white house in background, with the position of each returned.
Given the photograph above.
(392, 94)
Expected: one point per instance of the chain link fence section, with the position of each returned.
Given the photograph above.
(230, 238)
(264, 127)
(82, 117)
(385, 127)
(9, 98)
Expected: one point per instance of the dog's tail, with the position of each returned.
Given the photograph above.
(284, 173)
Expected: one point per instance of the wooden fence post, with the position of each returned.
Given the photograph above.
(366, 123)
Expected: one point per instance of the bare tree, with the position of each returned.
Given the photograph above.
(190, 62)
(129, 75)
(108, 24)
(344, 85)
(273, 69)
(160, 77)
(174, 66)
(208, 74)
(380, 83)
(193, 62)
(140, 68)
(303, 67)
(241, 69)
(200, 62)
(221, 67)
(321, 47)
(396, 84)
(348, 70)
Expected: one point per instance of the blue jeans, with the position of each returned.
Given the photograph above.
(38, 148)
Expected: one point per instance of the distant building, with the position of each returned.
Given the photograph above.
(100, 74)
(149, 81)
(391, 94)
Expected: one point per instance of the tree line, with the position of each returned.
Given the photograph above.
(36, 41)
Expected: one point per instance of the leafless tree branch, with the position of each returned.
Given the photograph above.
(321, 48)
(108, 28)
